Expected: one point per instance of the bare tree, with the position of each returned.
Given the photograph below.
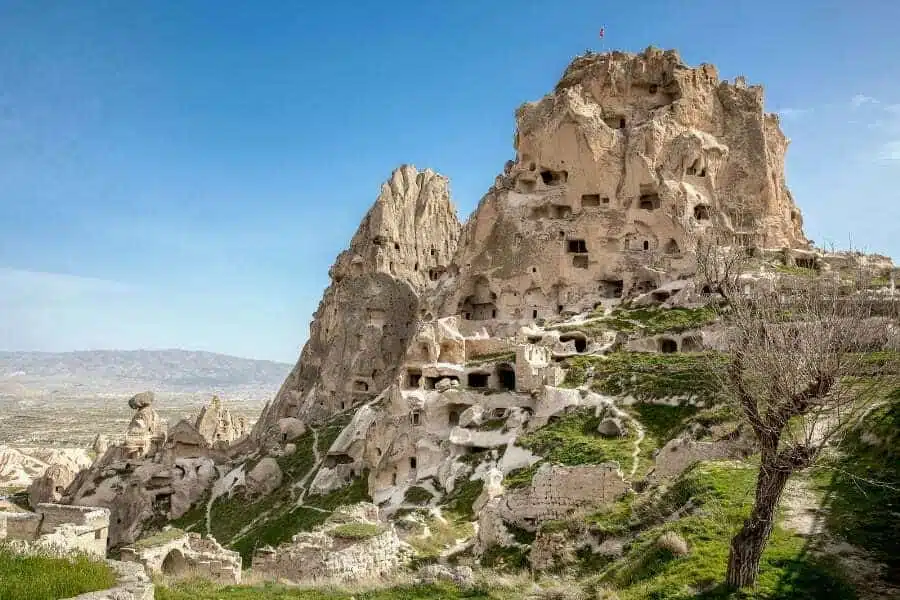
(800, 370)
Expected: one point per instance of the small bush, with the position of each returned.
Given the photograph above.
(356, 531)
(417, 495)
(672, 542)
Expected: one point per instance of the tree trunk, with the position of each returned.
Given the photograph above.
(747, 546)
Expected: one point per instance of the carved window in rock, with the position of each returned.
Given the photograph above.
(591, 200)
(649, 201)
(576, 246)
(477, 380)
(580, 261)
(415, 417)
(701, 212)
(672, 248)
(668, 346)
(550, 177)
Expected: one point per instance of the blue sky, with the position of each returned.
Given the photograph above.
(182, 174)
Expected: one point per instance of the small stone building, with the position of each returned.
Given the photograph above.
(83, 528)
(186, 555)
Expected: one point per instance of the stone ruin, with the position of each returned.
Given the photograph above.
(59, 527)
(186, 556)
(352, 545)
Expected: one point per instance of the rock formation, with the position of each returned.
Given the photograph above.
(156, 474)
(368, 313)
(218, 425)
(617, 173)
(439, 353)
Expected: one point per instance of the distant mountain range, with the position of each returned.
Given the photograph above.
(117, 372)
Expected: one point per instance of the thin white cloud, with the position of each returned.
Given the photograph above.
(24, 284)
(861, 99)
(890, 150)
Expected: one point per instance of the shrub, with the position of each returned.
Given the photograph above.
(672, 542)
(356, 531)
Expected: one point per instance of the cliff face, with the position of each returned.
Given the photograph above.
(369, 312)
(618, 172)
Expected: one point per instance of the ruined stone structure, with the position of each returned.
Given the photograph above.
(60, 527)
(330, 554)
(187, 556)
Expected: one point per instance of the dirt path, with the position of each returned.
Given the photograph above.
(802, 513)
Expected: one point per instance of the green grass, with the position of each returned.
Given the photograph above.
(863, 487)
(520, 477)
(505, 558)
(652, 321)
(246, 523)
(199, 590)
(417, 495)
(459, 502)
(661, 423)
(505, 356)
(648, 376)
(282, 526)
(724, 493)
(572, 439)
(46, 578)
(159, 538)
(356, 531)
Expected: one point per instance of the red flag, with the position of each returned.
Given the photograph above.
(602, 32)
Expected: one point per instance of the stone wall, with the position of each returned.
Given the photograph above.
(327, 555)
(133, 584)
(189, 555)
(561, 492)
(60, 526)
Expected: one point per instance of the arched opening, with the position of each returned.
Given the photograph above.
(646, 245)
(672, 247)
(477, 380)
(701, 212)
(506, 375)
(668, 346)
(175, 564)
(579, 338)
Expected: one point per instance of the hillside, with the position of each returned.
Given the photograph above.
(125, 372)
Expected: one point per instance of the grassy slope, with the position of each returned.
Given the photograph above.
(245, 524)
(724, 491)
(572, 440)
(45, 578)
(863, 490)
(206, 591)
(647, 376)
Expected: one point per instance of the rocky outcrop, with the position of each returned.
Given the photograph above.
(218, 425)
(617, 172)
(368, 314)
(44, 468)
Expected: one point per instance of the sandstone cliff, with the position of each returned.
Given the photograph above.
(618, 172)
(369, 312)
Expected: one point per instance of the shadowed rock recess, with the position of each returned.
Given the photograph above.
(531, 371)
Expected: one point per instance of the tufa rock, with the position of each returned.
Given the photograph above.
(140, 401)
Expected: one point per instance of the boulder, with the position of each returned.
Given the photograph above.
(612, 427)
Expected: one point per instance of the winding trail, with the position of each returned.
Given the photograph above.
(317, 462)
